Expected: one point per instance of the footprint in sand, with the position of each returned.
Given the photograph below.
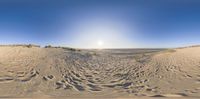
(177, 95)
(33, 74)
(6, 79)
(94, 87)
(49, 77)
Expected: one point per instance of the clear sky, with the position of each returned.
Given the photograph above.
(101, 23)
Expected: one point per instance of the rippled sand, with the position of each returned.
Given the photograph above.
(101, 74)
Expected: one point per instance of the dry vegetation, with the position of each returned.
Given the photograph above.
(66, 48)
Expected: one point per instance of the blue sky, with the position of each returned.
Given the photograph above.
(112, 23)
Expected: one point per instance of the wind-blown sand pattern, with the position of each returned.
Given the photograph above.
(128, 73)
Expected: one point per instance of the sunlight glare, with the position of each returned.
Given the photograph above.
(100, 43)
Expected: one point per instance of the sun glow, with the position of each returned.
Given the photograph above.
(101, 33)
(100, 43)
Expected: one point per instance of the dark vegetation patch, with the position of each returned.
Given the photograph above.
(65, 48)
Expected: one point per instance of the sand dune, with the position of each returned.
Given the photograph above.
(131, 73)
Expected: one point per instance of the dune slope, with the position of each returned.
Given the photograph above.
(57, 72)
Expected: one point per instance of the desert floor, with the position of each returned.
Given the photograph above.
(101, 74)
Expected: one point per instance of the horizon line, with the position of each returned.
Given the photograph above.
(57, 46)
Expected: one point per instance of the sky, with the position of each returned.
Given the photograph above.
(101, 23)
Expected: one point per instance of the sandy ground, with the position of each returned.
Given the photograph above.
(101, 74)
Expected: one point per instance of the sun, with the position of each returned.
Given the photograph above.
(100, 43)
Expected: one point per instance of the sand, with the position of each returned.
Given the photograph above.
(101, 74)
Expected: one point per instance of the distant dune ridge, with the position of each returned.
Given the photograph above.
(21, 45)
(34, 71)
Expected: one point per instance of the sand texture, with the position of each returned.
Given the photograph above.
(121, 73)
